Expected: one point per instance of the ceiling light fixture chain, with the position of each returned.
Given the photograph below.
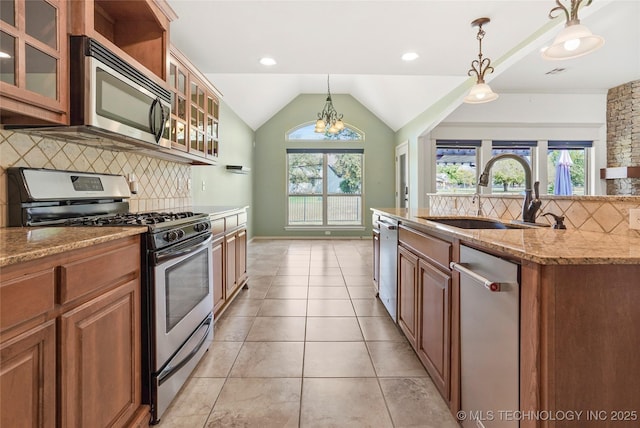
(329, 116)
(480, 92)
(570, 15)
(480, 66)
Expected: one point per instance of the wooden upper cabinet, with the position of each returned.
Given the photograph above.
(195, 109)
(137, 28)
(34, 78)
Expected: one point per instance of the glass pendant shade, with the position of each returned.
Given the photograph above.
(574, 41)
(480, 93)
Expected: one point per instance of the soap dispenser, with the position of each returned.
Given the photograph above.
(559, 221)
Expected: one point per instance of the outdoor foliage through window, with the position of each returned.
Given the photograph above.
(324, 188)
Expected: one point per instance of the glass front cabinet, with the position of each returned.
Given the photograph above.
(194, 114)
(33, 58)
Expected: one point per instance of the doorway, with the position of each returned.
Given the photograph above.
(402, 175)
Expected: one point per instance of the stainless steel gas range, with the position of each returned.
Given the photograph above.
(177, 295)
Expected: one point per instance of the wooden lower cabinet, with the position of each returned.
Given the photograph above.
(28, 378)
(408, 294)
(229, 252)
(219, 292)
(74, 357)
(100, 359)
(241, 257)
(230, 266)
(434, 331)
(424, 302)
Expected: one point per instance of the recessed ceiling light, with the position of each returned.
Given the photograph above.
(410, 56)
(268, 61)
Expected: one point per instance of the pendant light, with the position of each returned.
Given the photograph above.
(329, 117)
(480, 92)
(575, 40)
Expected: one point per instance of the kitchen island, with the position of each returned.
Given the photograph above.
(578, 319)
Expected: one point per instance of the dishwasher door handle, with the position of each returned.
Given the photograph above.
(389, 226)
(488, 284)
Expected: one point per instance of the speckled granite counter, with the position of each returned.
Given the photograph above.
(20, 244)
(541, 245)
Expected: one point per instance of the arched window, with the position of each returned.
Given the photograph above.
(306, 132)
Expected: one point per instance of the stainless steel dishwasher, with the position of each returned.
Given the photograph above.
(388, 292)
(489, 339)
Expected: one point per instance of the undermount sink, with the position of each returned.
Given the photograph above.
(474, 223)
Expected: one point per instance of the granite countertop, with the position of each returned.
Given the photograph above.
(20, 244)
(540, 245)
(215, 211)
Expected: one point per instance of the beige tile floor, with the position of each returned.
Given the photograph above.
(308, 345)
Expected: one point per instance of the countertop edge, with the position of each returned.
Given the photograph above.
(69, 245)
(471, 236)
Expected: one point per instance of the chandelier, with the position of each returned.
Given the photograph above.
(329, 117)
(480, 92)
(575, 39)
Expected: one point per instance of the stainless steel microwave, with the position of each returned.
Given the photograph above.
(108, 94)
(111, 103)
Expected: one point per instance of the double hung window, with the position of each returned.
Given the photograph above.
(324, 187)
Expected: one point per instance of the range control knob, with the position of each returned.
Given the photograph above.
(199, 227)
(173, 235)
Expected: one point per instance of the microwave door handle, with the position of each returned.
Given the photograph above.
(157, 133)
(164, 112)
(152, 110)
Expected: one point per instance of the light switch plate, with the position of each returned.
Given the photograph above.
(634, 219)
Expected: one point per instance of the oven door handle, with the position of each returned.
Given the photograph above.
(163, 256)
(172, 368)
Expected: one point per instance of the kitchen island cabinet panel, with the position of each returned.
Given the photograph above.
(408, 294)
(424, 301)
(434, 340)
(28, 378)
(589, 332)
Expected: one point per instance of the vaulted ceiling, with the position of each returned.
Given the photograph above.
(359, 44)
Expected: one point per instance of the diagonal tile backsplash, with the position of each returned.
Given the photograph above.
(608, 214)
(162, 185)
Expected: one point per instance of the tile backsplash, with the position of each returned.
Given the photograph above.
(162, 185)
(608, 214)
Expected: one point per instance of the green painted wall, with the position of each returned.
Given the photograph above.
(270, 176)
(223, 188)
